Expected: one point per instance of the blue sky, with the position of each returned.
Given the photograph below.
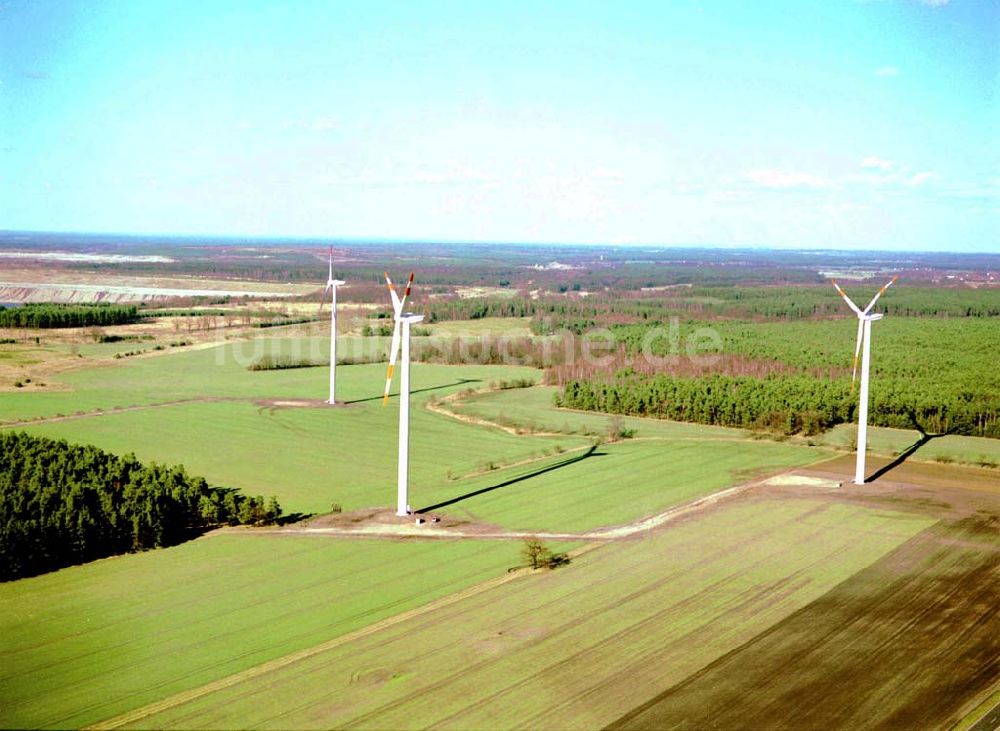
(838, 123)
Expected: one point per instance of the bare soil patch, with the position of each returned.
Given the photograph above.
(928, 474)
(301, 404)
(381, 516)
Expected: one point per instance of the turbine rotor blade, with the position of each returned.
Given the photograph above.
(879, 294)
(846, 298)
(393, 353)
(406, 292)
(396, 304)
(394, 348)
(329, 277)
(857, 352)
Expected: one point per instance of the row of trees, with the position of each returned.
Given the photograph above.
(475, 308)
(46, 315)
(63, 504)
(780, 402)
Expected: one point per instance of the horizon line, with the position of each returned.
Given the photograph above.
(327, 240)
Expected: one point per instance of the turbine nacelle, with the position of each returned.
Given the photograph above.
(334, 283)
(408, 318)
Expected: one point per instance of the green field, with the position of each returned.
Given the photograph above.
(215, 372)
(203, 409)
(613, 484)
(314, 456)
(318, 455)
(979, 451)
(89, 642)
(532, 409)
(348, 456)
(577, 647)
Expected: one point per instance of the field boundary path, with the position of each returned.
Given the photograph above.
(271, 665)
(608, 533)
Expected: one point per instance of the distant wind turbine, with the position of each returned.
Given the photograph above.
(865, 321)
(332, 284)
(402, 321)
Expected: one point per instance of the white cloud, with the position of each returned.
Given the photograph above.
(933, 3)
(770, 178)
(878, 163)
(321, 124)
(919, 178)
(420, 176)
(887, 71)
(606, 175)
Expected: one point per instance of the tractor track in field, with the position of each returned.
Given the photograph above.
(229, 681)
(265, 403)
(123, 410)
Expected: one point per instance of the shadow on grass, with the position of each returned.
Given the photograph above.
(293, 518)
(908, 452)
(592, 452)
(459, 382)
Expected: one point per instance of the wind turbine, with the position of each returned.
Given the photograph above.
(865, 319)
(402, 321)
(332, 284)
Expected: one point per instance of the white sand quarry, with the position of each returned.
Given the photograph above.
(74, 292)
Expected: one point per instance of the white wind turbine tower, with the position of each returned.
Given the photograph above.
(332, 284)
(402, 321)
(865, 320)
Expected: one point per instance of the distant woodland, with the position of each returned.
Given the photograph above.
(937, 375)
(62, 504)
(48, 315)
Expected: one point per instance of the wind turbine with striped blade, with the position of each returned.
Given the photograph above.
(863, 346)
(401, 343)
(331, 285)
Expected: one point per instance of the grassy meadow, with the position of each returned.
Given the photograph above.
(611, 484)
(205, 410)
(577, 647)
(308, 457)
(532, 409)
(89, 642)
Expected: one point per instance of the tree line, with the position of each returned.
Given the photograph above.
(788, 404)
(63, 504)
(48, 315)
(800, 302)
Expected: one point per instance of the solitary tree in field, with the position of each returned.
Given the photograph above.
(535, 553)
